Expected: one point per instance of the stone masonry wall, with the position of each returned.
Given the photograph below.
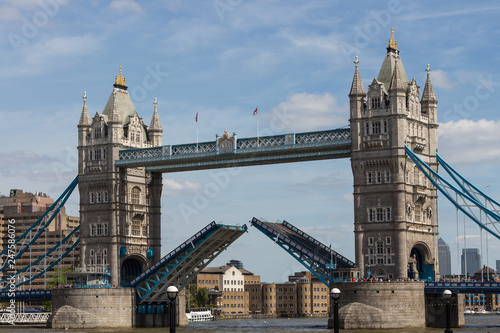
(92, 308)
(402, 302)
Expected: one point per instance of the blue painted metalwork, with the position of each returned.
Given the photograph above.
(29, 295)
(179, 267)
(38, 226)
(443, 185)
(248, 151)
(65, 241)
(314, 255)
(463, 287)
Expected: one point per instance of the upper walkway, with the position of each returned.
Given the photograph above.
(476, 287)
(284, 148)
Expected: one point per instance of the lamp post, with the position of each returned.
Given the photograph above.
(172, 292)
(447, 298)
(335, 293)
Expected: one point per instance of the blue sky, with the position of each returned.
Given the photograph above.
(222, 58)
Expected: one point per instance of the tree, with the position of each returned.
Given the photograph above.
(202, 297)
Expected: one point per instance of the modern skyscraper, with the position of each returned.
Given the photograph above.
(498, 266)
(471, 261)
(444, 258)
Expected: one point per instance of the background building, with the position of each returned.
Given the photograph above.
(471, 261)
(25, 209)
(444, 258)
(498, 265)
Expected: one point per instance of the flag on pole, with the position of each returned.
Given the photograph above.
(256, 111)
(196, 118)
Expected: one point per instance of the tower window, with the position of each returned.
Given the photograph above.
(97, 154)
(136, 196)
(376, 127)
(385, 126)
(387, 175)
(380, 248)
(375, 101)
(370, 240)
(369, 177)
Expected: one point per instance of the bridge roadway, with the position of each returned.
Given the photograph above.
(284, 148)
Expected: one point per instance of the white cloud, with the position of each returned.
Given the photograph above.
(172, 187)
(307, 112)
(123, 6)
(470, 141)
(60, 47)
(441, 79)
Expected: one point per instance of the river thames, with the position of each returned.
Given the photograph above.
(474, 324)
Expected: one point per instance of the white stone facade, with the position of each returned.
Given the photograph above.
(394, 205)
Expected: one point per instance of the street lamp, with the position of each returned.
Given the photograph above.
(335, 293)
(447, 298)
(172, 292)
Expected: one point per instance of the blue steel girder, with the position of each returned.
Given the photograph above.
(449, 191)
(23, 242)
(249, 151)
(313, 260)
(180, 266)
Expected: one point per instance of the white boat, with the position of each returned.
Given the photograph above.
(481, 311)
(205, 315)
(469, 311)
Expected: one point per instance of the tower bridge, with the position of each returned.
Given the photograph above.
(391, 141)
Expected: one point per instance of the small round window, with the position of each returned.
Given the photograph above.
(234, 273)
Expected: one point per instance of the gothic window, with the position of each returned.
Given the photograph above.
(105, 196)
(380, 261)
(371, 213)
(92, 230)
(387, 176)
(388, 250)
(375, 102)
(388, 240)
(97, 154)
(369, 177)
(97, 132)
(138, 137)
(135, 197)
(388, 260)
(387, 212)
(380, 248)
(416, 177)
(105, 229)
(98, 229)
(376, 127)
(385, 126)
(370, 240)
(379, 177)
(98, 258)
(90, 154)
(418, 213)
(370, 251)
(380, 214)
(136, 227)
(91, 253)
(104, 153)
(92, 197)
(144, 230)
(98, 197)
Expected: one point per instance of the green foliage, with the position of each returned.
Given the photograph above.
(202, 297)
(59, 278)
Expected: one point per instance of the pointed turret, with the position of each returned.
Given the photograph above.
(357, 88)
(397, 83)
(155, 130)
(84, 117)
(114, 115)
(391, 59)
(428, 95)
(155, 120)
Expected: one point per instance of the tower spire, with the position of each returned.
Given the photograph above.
(84, 117)
(396, 81)
(155, 120)
(114, 116)
(428, 94)
(120, 81)
(357, 88)
(393, 44)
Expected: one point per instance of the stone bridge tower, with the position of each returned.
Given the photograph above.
(120, 209)
(395, 211)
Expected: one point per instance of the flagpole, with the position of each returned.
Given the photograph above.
(258, 127)
(196, 131)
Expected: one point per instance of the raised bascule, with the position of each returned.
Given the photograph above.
(392, 143)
